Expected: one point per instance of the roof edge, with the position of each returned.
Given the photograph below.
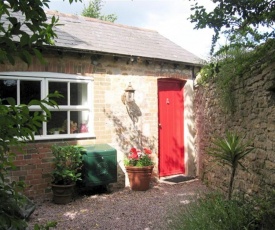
(120, 55)
(79, 17)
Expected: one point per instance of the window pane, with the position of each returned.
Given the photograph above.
(78, 93)
(57, 123)
(82, 119)
(8, 88)
(29, 90)
(74, 124)
(62, 88)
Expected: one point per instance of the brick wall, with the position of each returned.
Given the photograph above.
(112, 123)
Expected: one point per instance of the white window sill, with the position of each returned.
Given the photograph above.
(64, 136)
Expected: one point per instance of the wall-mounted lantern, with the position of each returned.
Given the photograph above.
(128, 99)
(130, 93)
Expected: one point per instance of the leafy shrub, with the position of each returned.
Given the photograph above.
(17, 124)
(213, 212)
(67, 164)
(264, 210)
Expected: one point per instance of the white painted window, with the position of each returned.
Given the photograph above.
(74, 116)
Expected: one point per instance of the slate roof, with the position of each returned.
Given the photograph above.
(92, 35)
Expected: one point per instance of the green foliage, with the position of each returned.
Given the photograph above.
(67, 164)
(15, 42)
(228, 67)
(145, 160)
(230, 150)
(251, 20)
(248, 27)
(214, 212)
(10, 201)
(264, 209)
(17, 124)
(93, 10)
(51, 224)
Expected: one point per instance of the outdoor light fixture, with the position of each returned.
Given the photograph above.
(128, 99)
(129, 93)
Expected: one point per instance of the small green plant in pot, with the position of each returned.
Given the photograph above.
(67, 170)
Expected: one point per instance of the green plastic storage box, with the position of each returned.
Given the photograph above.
(99, 165)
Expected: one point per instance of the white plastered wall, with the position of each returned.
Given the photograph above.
(189, 149)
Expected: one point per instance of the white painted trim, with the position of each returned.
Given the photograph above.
(45, 78)
(52, 75)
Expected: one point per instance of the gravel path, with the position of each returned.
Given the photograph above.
(122, 209)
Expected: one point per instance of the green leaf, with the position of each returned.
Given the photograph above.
(11, 101)
(39, 56)
(25, 56)
(24, 40)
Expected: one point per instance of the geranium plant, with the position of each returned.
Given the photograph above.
(139, 158)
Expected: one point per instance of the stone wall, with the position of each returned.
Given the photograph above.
(112, 124)
(254, 119)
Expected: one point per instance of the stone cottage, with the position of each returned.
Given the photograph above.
(92, 63)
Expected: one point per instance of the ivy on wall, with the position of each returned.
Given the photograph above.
(228, 67)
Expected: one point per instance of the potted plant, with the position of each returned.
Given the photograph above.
(139, 167)
(67, 170)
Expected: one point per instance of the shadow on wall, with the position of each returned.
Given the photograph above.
(128, 137)
(132, 109)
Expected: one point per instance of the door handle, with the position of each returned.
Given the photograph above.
(159, 125)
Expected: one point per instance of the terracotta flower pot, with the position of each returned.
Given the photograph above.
(139, 177)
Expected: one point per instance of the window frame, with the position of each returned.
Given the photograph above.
(45, 78)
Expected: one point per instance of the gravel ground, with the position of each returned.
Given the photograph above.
(122, 209)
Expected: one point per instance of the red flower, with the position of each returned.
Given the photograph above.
(147, 151)
(139, 158)
(134, 154)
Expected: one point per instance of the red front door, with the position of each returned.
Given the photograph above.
(171, 148)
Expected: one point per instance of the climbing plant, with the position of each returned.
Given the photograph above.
(246, 30)
(228, 67)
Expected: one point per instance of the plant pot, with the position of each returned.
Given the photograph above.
(139, 177)
(63, 194)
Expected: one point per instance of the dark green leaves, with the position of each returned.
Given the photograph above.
(250, 19)
(15, 41)
(229, 150)
(67, 164)
(17, 125)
